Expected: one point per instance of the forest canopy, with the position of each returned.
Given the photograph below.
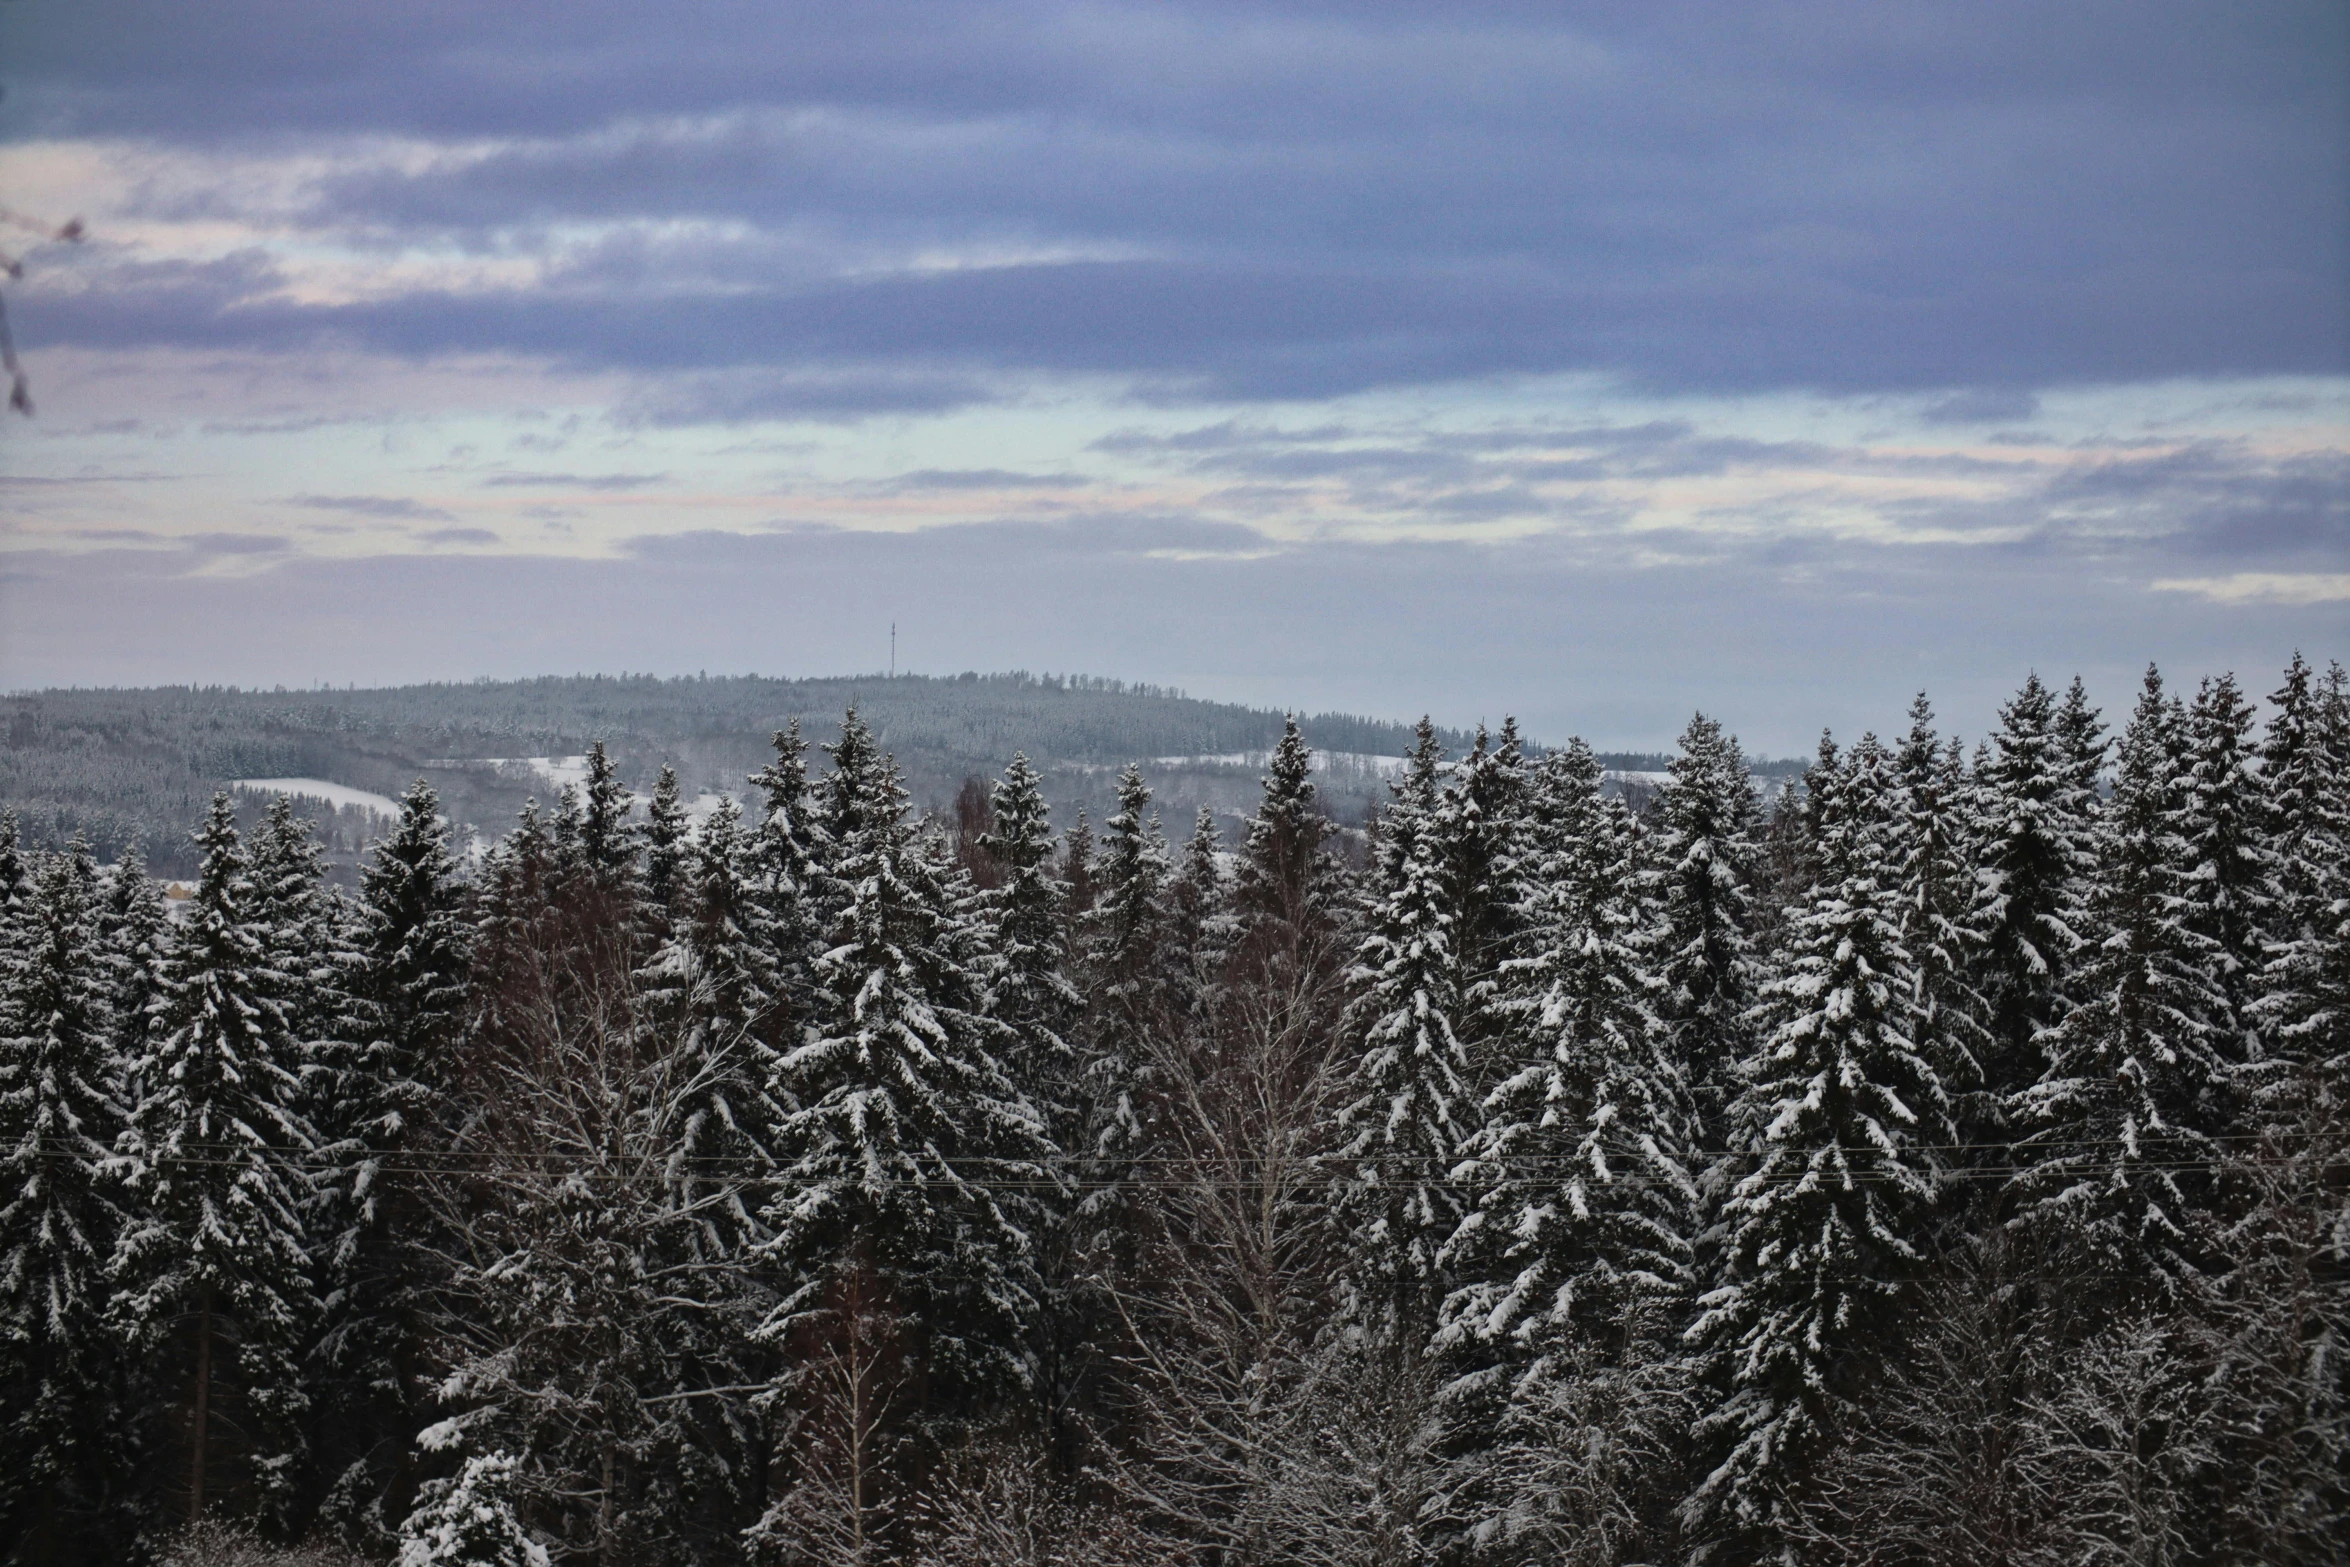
(1942, 1160)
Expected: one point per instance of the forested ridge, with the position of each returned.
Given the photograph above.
(125, 767)
(1948, 1163)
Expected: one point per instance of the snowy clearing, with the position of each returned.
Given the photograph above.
(334, 794)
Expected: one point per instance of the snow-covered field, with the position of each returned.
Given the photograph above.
(335, 794)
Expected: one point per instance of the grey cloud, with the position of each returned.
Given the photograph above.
(984, 479)
(237, 543)
(572, 481)
(459, 536)
(384, 507)
(1969, 200)
(842, 394)
(1221, 436)
(2222, 500)
(2008, 405)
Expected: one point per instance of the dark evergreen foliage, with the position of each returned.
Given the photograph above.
(1947, 1169)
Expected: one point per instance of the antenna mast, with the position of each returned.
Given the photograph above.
(893, 650)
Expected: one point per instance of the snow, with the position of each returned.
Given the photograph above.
(556, 770)
(1319, 761)
(335, 794)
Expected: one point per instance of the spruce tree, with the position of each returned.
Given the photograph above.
(469, 1521)
(665, 835)
(607, 839)
(1702, 865)
(1482, 829)
(1283, 874)
(784, 855)
(212, 1272)
(389, 1108)
(1935, 844)
(1125, 933)
(2032, 821)
(714, 994)
(308, 930)
(1587, 1201)
(1028, 986)
(62, 1395)
(2117, 1134)
(1201, 925)
(2303, 1007)
(1077, 867)
(134, 934)
(16, 878)
(884, 1208)
(1834, 1173)
(1410, 1110)
(2224, 830)
(1032, 997)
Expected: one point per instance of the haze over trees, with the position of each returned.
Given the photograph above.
(1941, 1162)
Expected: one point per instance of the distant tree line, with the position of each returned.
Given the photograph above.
(125, 767)
(1948, 1164)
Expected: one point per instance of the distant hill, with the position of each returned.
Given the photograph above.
(119, 765)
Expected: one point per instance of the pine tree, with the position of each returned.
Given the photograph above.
(2033, 817)
(1702, 864)
(1411, 1110)
(1834, 1137)
(213, 1267)
(2117, 1129)
(903, 1126)
(61, 1393)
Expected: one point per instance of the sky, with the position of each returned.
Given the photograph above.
(1591, 363)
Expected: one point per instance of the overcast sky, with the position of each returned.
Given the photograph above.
(1591, 362)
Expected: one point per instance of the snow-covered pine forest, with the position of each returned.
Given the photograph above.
(1949, 1163)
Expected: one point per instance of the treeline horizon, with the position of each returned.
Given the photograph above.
(138, 765)
(1945, 1161)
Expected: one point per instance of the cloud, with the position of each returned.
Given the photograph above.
(459, 536)
(572, 481)
(742, 396)
(2263, 587)
(383, 507)
(1983, 406)
(830, 212)
(984, 479)
(237, 543)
